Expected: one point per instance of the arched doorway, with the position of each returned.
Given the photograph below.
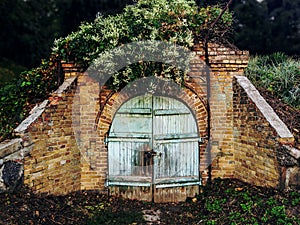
(153, 150)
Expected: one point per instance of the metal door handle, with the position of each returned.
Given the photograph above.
(151, 153)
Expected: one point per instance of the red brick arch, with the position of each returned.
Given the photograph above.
(191, 95)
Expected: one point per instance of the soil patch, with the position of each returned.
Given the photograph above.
(227, 201)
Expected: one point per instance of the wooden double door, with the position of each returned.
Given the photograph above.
(153, 150)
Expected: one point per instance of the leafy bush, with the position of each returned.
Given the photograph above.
(26, 89)
(177, 22)
(277, 73)
(174, 21)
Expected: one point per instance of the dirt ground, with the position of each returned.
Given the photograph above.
(226, 201)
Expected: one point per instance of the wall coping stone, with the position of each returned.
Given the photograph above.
(67, 83)
(7, 149)
(293, 151)
(39, 109)
(34, 115)
(280, 127)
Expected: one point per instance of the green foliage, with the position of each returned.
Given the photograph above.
(26, 89)
(277, 73)
(276, 213)
(215, 205)
(90, 40)
(245, 205)
(211, 222)
(296, 198)
(175, 22)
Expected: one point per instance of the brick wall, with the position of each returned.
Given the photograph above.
(224, 64)
(53, 162)
(68, 136)
(258, 136)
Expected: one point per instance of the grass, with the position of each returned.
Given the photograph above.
(277, 73)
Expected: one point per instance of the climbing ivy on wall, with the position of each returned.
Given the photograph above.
(179, 22)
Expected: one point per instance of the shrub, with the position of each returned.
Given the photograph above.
(277, 73)
(177, 22)
(174, 21)
(26, 89)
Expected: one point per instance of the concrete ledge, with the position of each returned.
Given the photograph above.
(9, 147)
(284, 134)
(67, 83)
(35, 113)
(293, 151)
(39, 109)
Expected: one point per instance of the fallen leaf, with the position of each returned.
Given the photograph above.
(239, 189)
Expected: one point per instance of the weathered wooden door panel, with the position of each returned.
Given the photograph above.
(132, 192)
(175, 194)
(127, 158)
(153, 146)
(175, 139)
(176, 162)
